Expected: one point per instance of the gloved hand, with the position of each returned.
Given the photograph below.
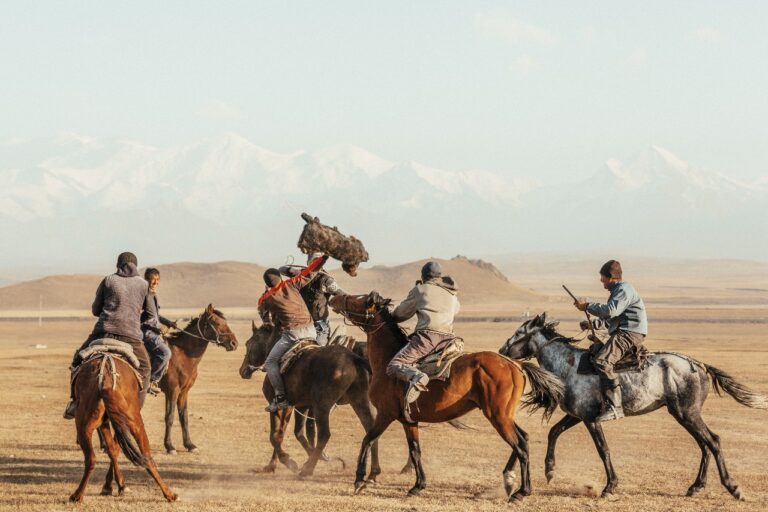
(584, 325)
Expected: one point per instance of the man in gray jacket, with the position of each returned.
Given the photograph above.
(433, 300)
(120, 299)
(624, 317)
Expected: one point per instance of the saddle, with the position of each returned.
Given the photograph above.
(633, 361)
(295, 352)
(437, 365)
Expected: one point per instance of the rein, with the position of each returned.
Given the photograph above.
(366, 326)
(557, 337)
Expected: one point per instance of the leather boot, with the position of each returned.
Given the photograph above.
(612, 407)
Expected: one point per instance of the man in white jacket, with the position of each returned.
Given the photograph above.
(434, 302)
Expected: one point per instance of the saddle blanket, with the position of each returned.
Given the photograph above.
(296, 351)
(112, 346)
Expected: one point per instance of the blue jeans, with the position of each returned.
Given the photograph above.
(283, 345)
(159, 354)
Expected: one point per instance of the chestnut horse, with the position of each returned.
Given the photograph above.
(107, 391)
(482, 380)
(187, 349)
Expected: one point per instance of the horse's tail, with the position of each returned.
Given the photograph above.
(362, 364)
(121, 425)
(460, 425)
(721, 381)
(546, 392)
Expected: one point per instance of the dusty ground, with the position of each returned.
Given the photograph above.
(40, 464)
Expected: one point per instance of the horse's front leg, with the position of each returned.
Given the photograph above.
(561, 426)
(414, 449)
(372, 435)
(184, 420)
(596, 431)
(278, 424)
(170, 406)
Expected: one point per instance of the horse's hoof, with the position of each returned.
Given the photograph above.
(693, 491)
(414, 492)
(266, 469)
(359, 486)
(74, 498)
(325, 457)
(172, 451)
(194, 449)
(106, 492)
(372, 481)
(121, 492)
(738, 494)
(550, 475)
(172, 497)
(608, 496)
(516, 497)
(306, 471)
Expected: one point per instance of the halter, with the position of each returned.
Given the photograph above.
(367, 327)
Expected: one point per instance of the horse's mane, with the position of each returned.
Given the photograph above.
(549, 330)
(398, 332)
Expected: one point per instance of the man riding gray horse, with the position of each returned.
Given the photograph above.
(624, 317)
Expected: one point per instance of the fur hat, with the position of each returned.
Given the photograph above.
(611, 269)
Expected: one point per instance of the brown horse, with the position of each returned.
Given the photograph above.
(107, 391)
(187, 349)
(318, 381)
(482, 380)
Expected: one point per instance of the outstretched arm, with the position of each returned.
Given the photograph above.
(616, 305)
(407, 308)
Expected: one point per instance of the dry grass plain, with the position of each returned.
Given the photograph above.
(656, 460)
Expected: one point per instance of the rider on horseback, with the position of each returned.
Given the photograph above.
(624, 317)
(315, 294)
(153, 326)
(283, 306)
(433, 300)
(120, 299)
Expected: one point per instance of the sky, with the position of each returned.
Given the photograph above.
(545, 90)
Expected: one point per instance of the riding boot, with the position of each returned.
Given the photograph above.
(612, 407)
(278, 403)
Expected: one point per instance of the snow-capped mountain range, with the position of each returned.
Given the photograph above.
(73, 199)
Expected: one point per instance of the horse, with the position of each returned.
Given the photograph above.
(481, 380)
(107, 392)
(187, 349)
(317, 381)
(668, 379)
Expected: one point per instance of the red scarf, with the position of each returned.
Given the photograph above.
(313, 265)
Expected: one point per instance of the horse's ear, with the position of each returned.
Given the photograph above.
(537, 320)
(374, 299)
(209, 309)
(253, 326)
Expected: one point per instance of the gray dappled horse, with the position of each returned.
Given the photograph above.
(673, 380)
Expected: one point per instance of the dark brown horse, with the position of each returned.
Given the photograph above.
(107, 392)
(482, 380)
(319, 380)
(187, 349)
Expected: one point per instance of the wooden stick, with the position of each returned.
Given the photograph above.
(589, 319)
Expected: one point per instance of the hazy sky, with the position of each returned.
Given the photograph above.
(530, 88)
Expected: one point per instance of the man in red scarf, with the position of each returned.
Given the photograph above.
(282, 305)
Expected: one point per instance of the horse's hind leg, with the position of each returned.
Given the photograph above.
(561, 426)
(85, 427)
(113, 450)
(596, 431)
(693, 422)
(279, 423)
(136, 426)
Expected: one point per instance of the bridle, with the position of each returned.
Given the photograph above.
(549, 341)
(212, 326)
(366, 326)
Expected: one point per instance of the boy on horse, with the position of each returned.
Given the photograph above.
(434, 302)
(624, 317)
(315, 294)
(283, 306)
(153, 326)
(120, 299)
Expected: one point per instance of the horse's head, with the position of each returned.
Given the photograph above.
(361, 310)
(213, 327)
(256, 349)
(529, 338)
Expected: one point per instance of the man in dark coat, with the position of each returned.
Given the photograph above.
(153, 325)
(120, 299)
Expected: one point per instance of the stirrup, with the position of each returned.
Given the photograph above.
(611, 413)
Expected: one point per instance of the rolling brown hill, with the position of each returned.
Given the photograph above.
(231, 283)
